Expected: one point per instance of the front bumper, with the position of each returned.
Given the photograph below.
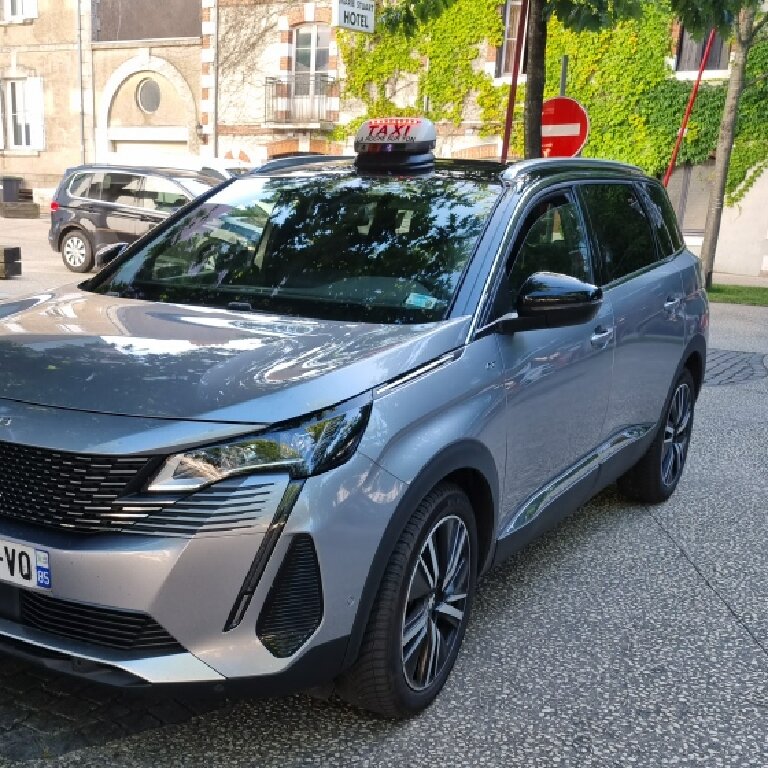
(190, 584)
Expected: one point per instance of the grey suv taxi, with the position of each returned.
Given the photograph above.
(278, 439)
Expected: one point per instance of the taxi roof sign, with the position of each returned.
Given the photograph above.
(402, 134)
(396, 142)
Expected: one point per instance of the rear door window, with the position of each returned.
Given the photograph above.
(623, 232)
(87, 185)
(163, 195)
(122, 189)
(664, 219)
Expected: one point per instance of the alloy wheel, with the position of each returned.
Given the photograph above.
(677, 433)
(435, 607)
(75, 251)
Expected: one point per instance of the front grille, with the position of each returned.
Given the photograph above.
(93, 494)
(293, 609)
(62, 490)
(105, 627)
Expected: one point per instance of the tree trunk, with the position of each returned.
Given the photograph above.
(741, 45)
(536, 72)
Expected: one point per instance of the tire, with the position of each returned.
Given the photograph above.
(415, 631)
(654, 478)
(76, 251)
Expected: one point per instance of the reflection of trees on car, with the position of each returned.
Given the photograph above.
(396, 247)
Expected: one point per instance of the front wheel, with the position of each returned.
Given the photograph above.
(421, 612)
(76, 252)
(654, 478)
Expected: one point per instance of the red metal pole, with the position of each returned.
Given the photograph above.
(513, 87)
(689, 108)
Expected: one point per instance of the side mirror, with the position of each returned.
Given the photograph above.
(109, 253)
(550, 300)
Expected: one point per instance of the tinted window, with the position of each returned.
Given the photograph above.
(357, 249)
(553, 240)
(159, 194)
(122, 189)
(87, 185)
(664, 219)
(621, 228)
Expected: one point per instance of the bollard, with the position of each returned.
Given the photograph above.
(10, 262)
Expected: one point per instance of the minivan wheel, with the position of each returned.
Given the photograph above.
(76, 252)
(654, 478)
(421, 612)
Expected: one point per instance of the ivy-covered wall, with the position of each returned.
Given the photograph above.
(619, 74)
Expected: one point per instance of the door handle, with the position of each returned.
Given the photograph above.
(672, 303)
(601, 337)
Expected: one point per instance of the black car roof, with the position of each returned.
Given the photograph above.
(180, 173)
(484, 171)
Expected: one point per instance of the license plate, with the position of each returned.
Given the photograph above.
(24, 566)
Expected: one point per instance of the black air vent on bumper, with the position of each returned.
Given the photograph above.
(105, 627)
(294, 606)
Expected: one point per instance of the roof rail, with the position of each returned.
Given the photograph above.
(282, 163)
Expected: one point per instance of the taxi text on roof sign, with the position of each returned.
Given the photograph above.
(357, 15)
(396, 130)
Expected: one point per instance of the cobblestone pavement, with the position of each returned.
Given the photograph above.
(627, 636)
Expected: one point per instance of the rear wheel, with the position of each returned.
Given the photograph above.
(421, 612)
(654, 478)
(76, 251)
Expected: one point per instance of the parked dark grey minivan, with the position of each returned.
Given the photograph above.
(279, 439)
(98, 205)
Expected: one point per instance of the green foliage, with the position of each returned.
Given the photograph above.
(750, 148)
(699, 16)
(620, 74)
(441, 56)
(739, 294)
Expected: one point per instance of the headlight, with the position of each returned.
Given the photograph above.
(306, 449)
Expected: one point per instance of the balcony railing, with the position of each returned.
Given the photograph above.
(298, 99)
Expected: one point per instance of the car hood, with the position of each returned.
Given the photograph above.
(81, 351)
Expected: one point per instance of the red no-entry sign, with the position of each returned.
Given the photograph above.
(564, 127)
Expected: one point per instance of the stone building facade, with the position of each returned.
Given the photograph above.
(81, 80)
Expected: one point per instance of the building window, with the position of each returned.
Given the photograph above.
(310, 58)
(689, 53)
(21, 114)
(148, 95)
(18, 10)
(505, 58)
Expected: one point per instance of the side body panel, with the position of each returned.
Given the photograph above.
(650, 340)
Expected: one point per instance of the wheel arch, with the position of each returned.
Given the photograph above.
(471, 466)
(69, 228)
(695, 360)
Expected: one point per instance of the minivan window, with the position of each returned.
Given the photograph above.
(161, 194)
(87, 185)
(382, 249)
(121, 189)
(622, 230)
(665, 221)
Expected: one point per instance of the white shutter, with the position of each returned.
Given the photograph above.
(29, 9)
(34, 97)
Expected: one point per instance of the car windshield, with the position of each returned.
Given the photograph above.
(386, 250)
